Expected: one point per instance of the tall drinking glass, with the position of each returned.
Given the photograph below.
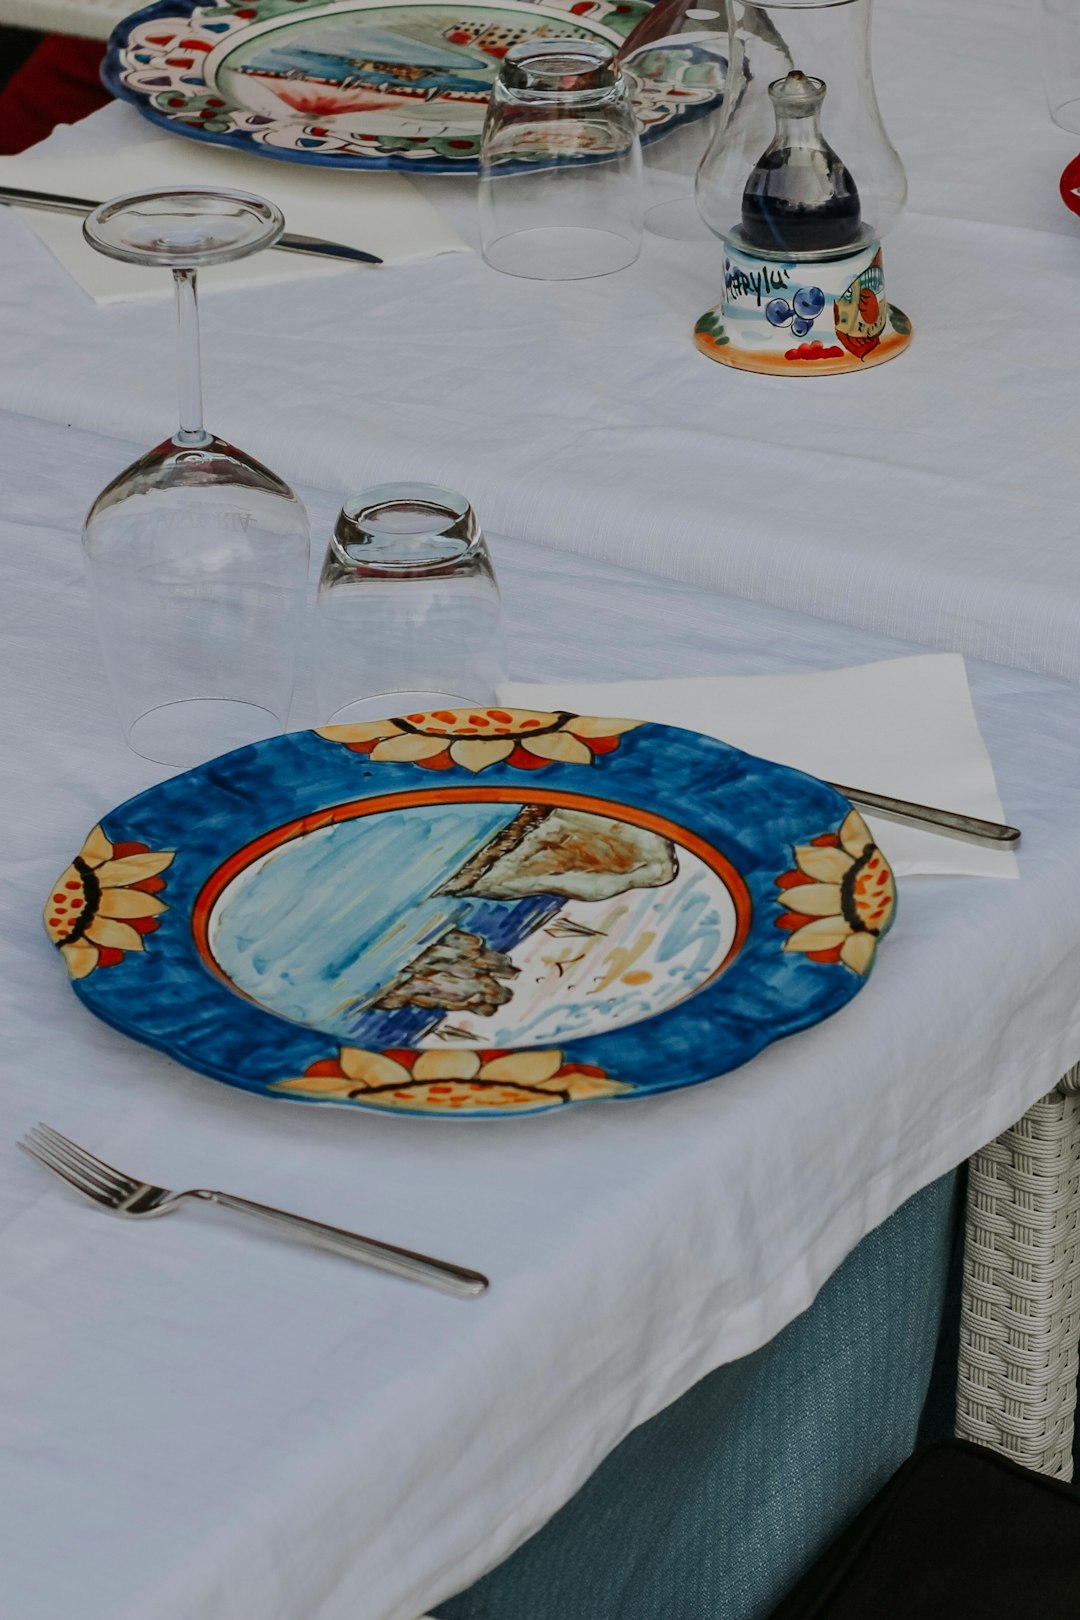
(197, 554)
(1059, 48)
(408, 613)
(692, 65)
(560, 164)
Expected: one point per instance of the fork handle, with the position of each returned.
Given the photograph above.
(407, 1263)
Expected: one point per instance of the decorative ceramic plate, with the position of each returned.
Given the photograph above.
(474, 912)
(368, 84)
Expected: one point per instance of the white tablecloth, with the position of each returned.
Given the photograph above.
(92, 19)
(933, 498)
(201, 1423)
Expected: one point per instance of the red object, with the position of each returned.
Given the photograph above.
(869, 307)
(1070, 186)
(57, 84)
(814, 351)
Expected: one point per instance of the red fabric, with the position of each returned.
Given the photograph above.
(57, 84)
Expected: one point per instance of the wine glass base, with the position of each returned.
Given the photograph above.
(183, 227)
(677, 219)
(1066, 115)
(387, 705)
(195, 729)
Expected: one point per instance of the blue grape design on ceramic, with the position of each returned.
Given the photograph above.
(804, 309)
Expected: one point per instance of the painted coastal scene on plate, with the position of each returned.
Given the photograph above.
(474, 924)
(391, 63)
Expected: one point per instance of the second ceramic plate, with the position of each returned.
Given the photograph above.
(370, 85)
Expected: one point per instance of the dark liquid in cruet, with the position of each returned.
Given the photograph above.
(776, 215)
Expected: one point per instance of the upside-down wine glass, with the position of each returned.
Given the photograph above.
(197, 554)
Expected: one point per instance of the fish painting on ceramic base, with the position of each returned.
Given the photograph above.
(479, 912)
(803, 318)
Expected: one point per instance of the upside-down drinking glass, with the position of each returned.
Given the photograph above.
(408, 613)
(560, 164)
(197, 554)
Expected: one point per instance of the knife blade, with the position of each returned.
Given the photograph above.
(290, 242)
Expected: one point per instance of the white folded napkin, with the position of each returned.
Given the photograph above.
(381, 213)
(905, 727)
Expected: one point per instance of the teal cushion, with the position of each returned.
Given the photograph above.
(714, 1508)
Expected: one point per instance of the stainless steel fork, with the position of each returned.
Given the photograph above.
(124, 1195)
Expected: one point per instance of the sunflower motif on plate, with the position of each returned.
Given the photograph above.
(105, 902)
(477, 738)
(839, 898)
(434, 1081)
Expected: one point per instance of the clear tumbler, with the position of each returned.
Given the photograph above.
(560, 164)
(408, 611)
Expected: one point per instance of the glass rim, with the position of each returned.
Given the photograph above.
(358, 521)
(579, 68)
(630, 237)
(800, 5)
(868, 233)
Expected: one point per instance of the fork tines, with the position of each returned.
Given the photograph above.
(73, 1164)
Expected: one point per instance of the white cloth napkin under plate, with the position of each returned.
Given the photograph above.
(380, 213)
(904, 727)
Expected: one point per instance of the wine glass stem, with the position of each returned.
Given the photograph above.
(189, 367)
